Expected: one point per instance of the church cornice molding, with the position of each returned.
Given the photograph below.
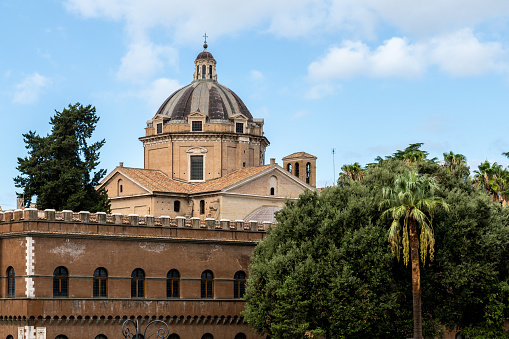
(204, 137)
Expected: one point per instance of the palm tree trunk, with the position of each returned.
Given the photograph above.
(416, 278)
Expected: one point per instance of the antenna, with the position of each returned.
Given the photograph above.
(334, 167)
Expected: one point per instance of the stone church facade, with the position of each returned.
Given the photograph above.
(204, 157)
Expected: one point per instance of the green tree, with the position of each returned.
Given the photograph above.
(493, 179)
(59, 168)
(412, 200)
(327, 269)
(452, 160)
(351, 172)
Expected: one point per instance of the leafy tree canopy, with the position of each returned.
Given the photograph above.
(60, 167)
(327, 268)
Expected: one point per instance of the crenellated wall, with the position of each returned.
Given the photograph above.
(118, 219)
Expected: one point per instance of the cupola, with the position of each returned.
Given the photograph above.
(205, 65)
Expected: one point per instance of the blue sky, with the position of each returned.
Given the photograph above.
(365, 77)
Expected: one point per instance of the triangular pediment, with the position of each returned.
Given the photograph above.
(196, 114)
(239, 116)
(130, 185)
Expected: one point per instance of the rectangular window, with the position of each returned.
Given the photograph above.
(196, 126)
(159, 128)
(196, 167)
(239, 127)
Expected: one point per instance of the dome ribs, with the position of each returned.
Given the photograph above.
(183, 107)
(243, 108)
(161, 109)
(217, 109)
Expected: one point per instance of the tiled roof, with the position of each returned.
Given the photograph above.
(155, 180)
(229, 179)
(264, 213)
(299, 155)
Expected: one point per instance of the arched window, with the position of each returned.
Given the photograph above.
(289, 168)
(203, 71)
(207, 284)
(101, 336)
(273, 185)
(239, 284)
(10, 337)
(197, 71)
(174, 336)
(240, 336)
(11, 282)
(207, 336)
(173, 284)
(138, 283)
(296, 169)
(60, 282)
(176, 206)
(120, 187)
(100, 285)
(202, 206)
(210, 71)
(61, 336)
(308, 172)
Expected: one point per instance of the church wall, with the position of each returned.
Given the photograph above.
(159, 156)
(164, 205)
(128, 187)
(141, 205)
(261, 185)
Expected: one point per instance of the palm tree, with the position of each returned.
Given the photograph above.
(493, 179)
(452, 160)
(412, 199)
(353, 172)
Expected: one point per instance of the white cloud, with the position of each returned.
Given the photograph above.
(394, 58)
(158, 91)
(462, 54)
(28, 90)
(457, 54)
(293, 18)
(143, 60)
(397, 58)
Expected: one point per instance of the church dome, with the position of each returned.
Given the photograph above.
(205, 55)
(208, 97)
(204, 95)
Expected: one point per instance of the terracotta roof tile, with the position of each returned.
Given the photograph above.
(155, 180)
(229, 179)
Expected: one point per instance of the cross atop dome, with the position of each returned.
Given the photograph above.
(205, 43)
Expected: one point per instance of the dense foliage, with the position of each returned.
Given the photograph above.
(327, 268)
(59, 168)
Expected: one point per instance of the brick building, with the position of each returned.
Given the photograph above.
(81, 275)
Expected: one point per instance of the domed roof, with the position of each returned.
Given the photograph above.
(205, 55)
(209, 97)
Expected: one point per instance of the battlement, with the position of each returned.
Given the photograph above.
(132, 225)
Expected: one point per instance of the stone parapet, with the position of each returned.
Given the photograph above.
(115, 224)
